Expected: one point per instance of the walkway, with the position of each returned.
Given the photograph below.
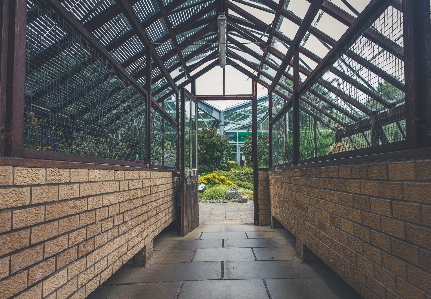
(225, 257)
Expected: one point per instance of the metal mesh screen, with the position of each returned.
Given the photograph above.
(358, 101)
(74, 101)
(282, 139)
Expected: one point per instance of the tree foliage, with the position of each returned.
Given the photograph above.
(262, 150)
(214, 151)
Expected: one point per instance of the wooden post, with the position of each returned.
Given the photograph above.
(182, 163)
(15, 63)
(193, 91)
(315, 136)
(254, 153)
(149, 108)
(296, 106)
(270, 129)
(163, 137)
(179, 128)
(416, 42)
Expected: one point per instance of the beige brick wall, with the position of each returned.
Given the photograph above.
(371, 223)
(263, 199)
(64, 231)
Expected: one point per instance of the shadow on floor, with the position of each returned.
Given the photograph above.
(226, 257)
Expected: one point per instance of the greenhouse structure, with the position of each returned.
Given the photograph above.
(101, 102)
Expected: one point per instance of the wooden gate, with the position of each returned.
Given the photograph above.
(189, 202)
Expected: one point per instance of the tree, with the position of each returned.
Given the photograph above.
(262, 150)
(213, 151)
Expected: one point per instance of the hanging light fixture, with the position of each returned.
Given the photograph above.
(221, 22)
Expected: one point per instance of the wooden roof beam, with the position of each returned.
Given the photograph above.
(302, 30)
(136, 24)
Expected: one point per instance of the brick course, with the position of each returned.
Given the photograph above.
(371, 223)
(63, 231)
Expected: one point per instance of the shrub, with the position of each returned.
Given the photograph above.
(242, 178)
(214, 179)
(216, 193)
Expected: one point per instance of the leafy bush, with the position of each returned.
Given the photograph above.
(214, 179)
(216, 193)
(242, 178)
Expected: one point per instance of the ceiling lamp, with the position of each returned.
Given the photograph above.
(221, 22)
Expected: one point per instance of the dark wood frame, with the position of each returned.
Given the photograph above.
(12, 81)
(417, 88)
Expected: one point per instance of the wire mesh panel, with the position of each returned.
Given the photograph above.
(358, 101)
(170, 150)
(157, 138)
(282, 139)
(74, 101)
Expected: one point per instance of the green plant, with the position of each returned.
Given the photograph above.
(215, 193)
(262, 150)
(214, 151)
(214, 179)
(243, 178)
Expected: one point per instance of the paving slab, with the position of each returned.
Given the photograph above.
(322, 288)
(275, 269)
(225, 258)
(275, 254)
(254, 243)
(167, 272)
(223, 254)
(223, 235)
(226, 289)
(166, 290)
(171, 256)
(189, 244)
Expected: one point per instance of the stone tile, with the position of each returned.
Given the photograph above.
(226, 289)
(275, 254)
(185, 245)
(171, 256)
(167, 272)
(263, 234)
(326, 288)
(223, 254)
(223, 235)
(254, 243)
(275, 269)
(243, 276)
(148, 290)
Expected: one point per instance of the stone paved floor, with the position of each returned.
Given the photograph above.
(225, 257)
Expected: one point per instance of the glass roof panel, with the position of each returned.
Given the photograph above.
(156, 30)
(127, 50)
(85, 10)
(287, 28)
(329, 25)
(145, 9)
(112, 30)
(298, 7)
(353, 7)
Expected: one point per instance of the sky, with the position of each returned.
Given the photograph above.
(211, 83)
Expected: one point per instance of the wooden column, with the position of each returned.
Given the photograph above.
(270, 129)
(193, 90)
(416, 42)
(254, 153)
(296, 155)
(12, 85)
(148, 103)
(179, 130)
